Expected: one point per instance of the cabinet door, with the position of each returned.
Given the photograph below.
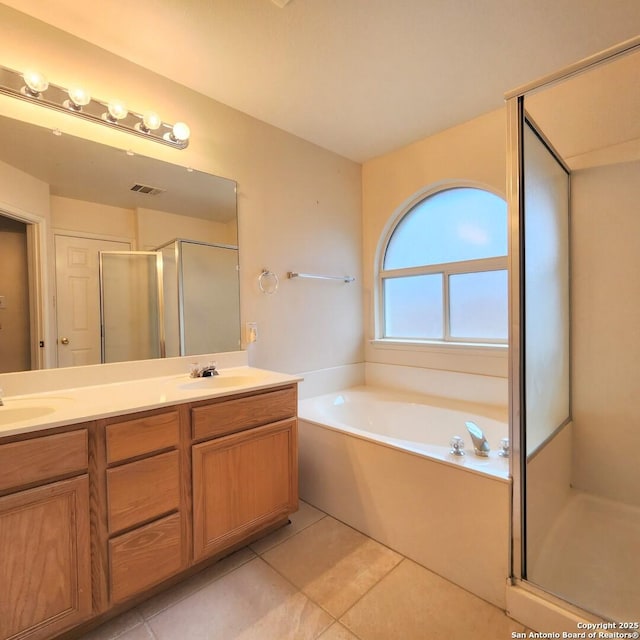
(44, 560)
(242, 483)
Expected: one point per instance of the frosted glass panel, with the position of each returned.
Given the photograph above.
(450, 226)
(546, 275)
(130, 306)
(478, 305)
(413, 307)
(211, 301)
(171, 298)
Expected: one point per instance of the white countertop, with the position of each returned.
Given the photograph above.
(35, 412)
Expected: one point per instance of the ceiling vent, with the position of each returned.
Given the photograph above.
(147, 190)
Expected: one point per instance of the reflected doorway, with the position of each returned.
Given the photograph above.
(78, 298)
(15, 312)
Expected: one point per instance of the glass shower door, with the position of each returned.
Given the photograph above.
(131, 315)
(210, 301)
(546, 342)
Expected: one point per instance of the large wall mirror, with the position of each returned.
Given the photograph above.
(109, 256)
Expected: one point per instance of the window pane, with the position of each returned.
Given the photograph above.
(478, 305)
(413, 307)
(450, 226)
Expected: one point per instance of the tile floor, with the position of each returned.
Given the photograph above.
(315, 578)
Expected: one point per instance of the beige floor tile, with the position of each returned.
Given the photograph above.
(169, 597)
(413, 603)
(337, 632)
(302, 518)
(332, 563)
(141, 632)
(251, 603)
(116, 627)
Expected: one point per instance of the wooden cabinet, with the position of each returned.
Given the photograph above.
(141, 491)
(94, 516)
(145, 505)
(246, 481)
(44, 559)
(145, 556)
(35, 460)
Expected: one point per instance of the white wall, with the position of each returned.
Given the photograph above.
(298, 205)
(475, 152)
(157, 228)
(70, 215)
(606, 330)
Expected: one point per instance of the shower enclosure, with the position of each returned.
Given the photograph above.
(201, 294)
(182, 299)
(131, 317)
(575, 337)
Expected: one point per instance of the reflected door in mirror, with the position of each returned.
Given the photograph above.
(78, 299)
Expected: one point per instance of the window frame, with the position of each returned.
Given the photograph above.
(478, 265)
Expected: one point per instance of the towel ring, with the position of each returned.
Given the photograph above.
(268, 282)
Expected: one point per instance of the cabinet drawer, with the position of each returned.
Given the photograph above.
(29, 461)
(142, 436)
(144, 557)
(142, 490)
(243, 413)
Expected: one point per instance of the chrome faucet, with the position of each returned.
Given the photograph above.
(480, 444)
(203, 372)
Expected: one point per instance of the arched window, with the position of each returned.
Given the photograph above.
(443, 273)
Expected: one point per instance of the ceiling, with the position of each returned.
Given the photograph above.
(358, 77)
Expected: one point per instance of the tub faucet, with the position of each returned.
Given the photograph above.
(480, 444)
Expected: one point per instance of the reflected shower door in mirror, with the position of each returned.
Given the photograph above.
(131, 307)
(201, 297)
(581, 283)
(79, 197)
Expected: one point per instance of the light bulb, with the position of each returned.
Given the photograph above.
(35, 81)
(117, 110)
(181, 132)
(151, 121)
(79, 96)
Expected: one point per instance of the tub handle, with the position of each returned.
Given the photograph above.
(457, 446)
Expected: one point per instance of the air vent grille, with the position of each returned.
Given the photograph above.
(147, 190)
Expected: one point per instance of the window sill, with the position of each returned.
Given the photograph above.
(434, 346)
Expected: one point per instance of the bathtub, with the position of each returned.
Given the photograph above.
(419, 424)
(378, 459)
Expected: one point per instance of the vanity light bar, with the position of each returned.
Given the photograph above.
(34, 87)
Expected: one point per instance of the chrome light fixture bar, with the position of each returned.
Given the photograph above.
(33, 87)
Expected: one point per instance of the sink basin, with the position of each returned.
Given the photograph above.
(220, 382)
(21, 409)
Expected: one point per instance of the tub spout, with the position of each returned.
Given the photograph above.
(480, 444)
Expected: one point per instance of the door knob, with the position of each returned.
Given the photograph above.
(64, 340)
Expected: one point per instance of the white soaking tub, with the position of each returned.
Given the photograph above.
(378, 459)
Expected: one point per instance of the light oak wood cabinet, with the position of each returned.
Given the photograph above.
(45, 560)
(95, 517)
(145, 504)
(242, 483)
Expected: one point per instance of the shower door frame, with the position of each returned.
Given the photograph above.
(515, 199)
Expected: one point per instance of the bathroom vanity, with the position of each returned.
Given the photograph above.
(97, 512)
